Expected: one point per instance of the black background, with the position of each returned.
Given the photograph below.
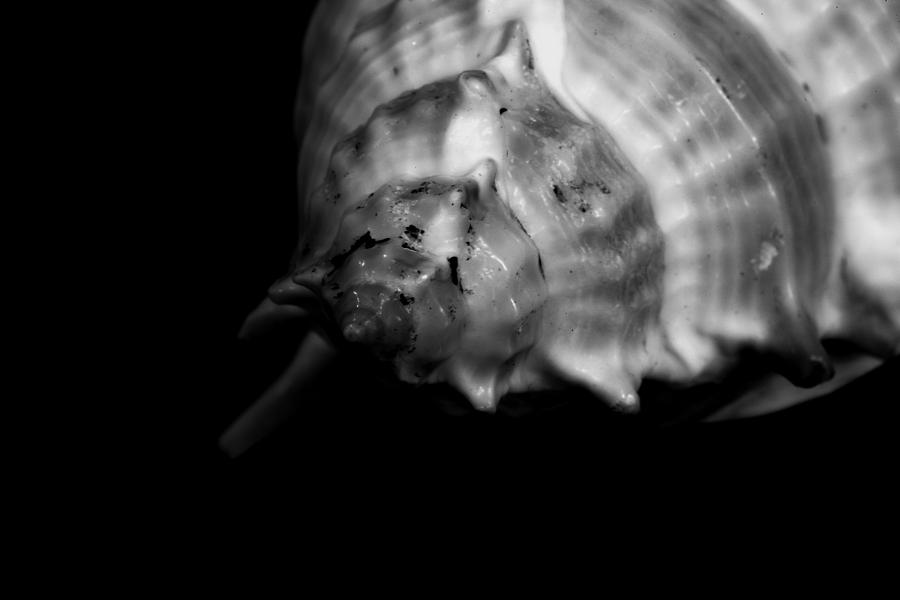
(225, 84)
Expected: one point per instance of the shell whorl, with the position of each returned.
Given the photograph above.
(513, 195)
(535, 259)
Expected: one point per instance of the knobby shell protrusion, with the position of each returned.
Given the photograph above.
(513, 195)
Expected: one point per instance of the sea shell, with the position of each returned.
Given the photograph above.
(512, 195)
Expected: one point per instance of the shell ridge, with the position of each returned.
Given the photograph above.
(510, 196)
(795, 183)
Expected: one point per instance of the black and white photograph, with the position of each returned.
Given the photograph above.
(438, 237)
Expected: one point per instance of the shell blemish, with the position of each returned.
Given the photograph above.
(454, 270)
(365, 240)
(413, 232)
(559, 195)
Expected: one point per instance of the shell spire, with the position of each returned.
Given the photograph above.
(513, 195)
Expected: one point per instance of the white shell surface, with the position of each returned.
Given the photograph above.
(778, 204)
(847, 57)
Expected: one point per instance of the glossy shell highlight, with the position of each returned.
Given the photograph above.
(515, 196)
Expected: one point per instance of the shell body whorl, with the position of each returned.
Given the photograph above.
(514, 195)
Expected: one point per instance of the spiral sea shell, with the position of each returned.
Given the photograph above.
(513, 195)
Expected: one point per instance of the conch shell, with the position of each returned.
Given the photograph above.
(512, 195)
